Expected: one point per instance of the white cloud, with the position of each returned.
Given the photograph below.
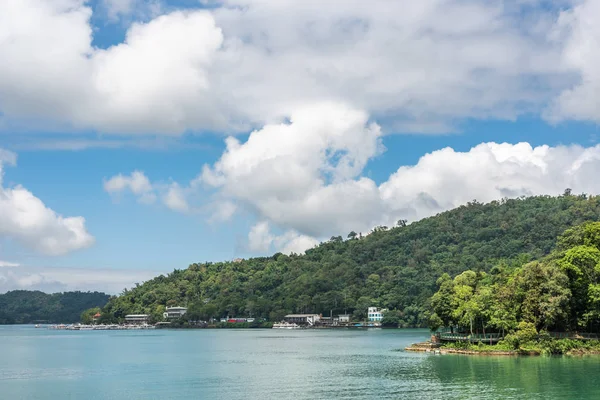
(125, 10)
(446, 179)
(306, 178)
(287, 177)
(172, 195)
(262, 240)
(418, 66)
(118, 7)
(7, 157)
(292, 174)
(175, 199)
(138, 183)
(221, 210)
(25, 218)
(153, 82)
(53, 279)
(579, 29)
(6, 264)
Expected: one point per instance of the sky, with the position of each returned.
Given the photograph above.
(140, 136)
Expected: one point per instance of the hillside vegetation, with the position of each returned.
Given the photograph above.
(394, 268)
(26, 307)
(534, 303)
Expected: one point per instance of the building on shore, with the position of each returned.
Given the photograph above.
(137, 319)
(172, 313)
(237, 320)
(302, 319)
(96, 317)
(344, 318)
(375, 314)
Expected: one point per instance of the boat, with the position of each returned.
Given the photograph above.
(286, 325)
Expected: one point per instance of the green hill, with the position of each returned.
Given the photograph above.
(394, 268)
(26, 307)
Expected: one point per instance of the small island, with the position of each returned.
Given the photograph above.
(547, 306)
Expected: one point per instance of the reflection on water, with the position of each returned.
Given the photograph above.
(265, 364)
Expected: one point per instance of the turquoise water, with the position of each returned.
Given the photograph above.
(271, 364)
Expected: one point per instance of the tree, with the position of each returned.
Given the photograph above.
(581, 265)
(352, 235)
(391, 319)
(544, 294)
(87, 317)
(435, 322)
(442, 300)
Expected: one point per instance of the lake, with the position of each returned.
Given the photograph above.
(271, 364)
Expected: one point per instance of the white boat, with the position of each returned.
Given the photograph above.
(286, 325)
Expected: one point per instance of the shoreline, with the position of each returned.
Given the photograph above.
(444, 351)
(437, 349)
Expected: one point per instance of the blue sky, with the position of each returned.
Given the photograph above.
(334, 121)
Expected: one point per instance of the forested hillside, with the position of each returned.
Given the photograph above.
(395, 268)
(559, 293)
(25, 307)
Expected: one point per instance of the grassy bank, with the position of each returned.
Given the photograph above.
(533, 347)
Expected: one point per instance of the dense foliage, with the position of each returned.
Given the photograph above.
(540, 345)
(393, 268)
(25, 307)
(559, 293)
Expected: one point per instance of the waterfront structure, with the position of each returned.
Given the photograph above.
(344, 318)
(285, 325)
(375, 314)
(137, 318)
(302, 319)
(236, 320)
(174, 312)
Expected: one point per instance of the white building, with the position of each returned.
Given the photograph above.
(137, 318)
(344, 318)
(174, 312)
(302, 319)
(375, 314)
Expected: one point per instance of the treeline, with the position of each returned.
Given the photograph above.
(395, 268)
(28, 307)
(560, 293)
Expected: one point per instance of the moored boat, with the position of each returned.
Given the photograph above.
(286, 325)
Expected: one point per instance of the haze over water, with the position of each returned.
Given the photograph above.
(271, 364)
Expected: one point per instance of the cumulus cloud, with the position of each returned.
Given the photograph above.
(253, 62)
(262, 240)
(578, 28)
(26, 218)
(446, 178)
(155, 81)
(52, 279)
(305, 178)
(291, 190)
(138, 183)
(307, 165)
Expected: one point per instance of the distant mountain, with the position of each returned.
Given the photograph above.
(26, 307)
(393, 268)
